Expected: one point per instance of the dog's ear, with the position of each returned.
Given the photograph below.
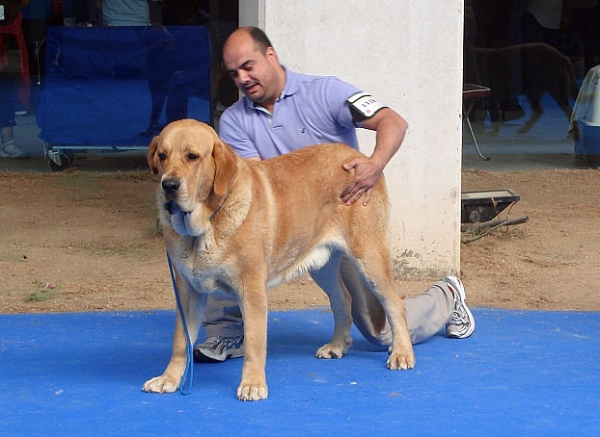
(152, 157)
(225, 171)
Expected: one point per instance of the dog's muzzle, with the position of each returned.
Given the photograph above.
(170, 188)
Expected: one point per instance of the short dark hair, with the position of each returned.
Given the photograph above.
(260, 38)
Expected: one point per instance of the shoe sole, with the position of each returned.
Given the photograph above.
(200, 357)
(460, 289)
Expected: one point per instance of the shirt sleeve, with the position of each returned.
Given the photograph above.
(232, 132)
(349, 106)
(336, 94)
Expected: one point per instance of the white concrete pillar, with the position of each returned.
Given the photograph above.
(409, 55)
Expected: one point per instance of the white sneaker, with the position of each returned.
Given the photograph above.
(462, 322)
(10, 150)
(219, 349)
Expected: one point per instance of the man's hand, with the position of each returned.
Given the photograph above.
(366, 174)
(390, 129)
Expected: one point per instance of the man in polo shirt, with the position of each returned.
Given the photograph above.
(284, 111)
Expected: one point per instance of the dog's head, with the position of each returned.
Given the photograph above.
(197, 170)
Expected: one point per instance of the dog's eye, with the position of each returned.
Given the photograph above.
(162, 156)
(192, 156)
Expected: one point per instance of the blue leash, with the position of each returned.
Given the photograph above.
(185, 387)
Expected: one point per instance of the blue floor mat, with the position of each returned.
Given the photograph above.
(521, 373)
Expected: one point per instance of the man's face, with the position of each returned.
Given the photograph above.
(253, 71)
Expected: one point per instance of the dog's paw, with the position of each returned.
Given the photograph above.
(329, 351)
(334, 350)
(402, 361)
(161, 384)
(252, 392)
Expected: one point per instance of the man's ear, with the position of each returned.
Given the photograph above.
(152, 157)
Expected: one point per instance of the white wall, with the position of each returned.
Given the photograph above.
(408, 54)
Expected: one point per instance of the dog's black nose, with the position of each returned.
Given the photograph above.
(171, 185)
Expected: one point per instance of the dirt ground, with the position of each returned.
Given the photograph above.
(84, 241)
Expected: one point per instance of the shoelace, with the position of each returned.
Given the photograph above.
(228, 342)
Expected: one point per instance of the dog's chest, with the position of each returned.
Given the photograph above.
(200, 263)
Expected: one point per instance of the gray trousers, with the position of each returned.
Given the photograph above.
(426, 314)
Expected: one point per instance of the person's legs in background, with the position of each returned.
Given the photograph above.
(8, 149)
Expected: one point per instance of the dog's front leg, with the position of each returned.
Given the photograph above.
(193, 305)
(253, 303)
(169, 381)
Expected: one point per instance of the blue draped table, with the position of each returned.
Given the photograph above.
(97, 88)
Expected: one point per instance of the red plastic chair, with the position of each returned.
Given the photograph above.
(15, 29)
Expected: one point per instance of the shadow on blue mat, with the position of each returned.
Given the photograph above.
(521, 373)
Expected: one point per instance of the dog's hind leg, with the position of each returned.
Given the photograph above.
(367, 313)
(565, 106)
(328, 278)
(534, 97)
(374, 263)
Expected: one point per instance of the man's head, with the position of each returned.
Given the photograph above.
(252, 63)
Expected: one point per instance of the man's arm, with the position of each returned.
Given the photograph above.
(390, 130)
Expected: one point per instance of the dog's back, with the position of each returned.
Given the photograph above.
(314, 176)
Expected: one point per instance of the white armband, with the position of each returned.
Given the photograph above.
(365, 104)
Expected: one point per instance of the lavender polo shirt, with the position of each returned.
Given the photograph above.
(311, 110)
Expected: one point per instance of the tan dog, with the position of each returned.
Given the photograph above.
(242, 226)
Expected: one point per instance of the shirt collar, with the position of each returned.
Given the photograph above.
(291, 83)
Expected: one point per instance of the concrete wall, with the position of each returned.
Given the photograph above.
(408, 54)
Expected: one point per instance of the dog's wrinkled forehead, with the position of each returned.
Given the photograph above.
(186, 136)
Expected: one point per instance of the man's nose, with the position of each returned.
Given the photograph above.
(243, 77)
